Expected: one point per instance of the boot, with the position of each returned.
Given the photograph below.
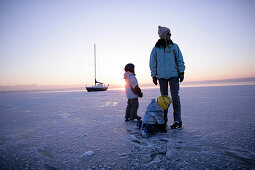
(176, 125)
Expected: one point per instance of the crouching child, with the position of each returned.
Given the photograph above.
(153, 120)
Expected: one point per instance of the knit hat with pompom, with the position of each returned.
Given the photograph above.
(162, 31)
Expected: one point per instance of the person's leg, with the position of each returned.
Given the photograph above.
(162, 128)
(128, 109)
(150, 128)
(163, 83)
(174, 88)
(134, 108)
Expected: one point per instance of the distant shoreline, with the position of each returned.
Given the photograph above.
(117, 89)
(79, 87)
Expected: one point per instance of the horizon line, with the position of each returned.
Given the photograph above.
(32, 87)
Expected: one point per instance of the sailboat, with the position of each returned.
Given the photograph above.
(98, 85)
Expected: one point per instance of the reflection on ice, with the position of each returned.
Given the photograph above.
(111, 104)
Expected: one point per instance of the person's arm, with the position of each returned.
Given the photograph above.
(138, 91)
(133, 81)
(180, 61)
(153, 66)
(153, 63)
(135, 88)
(159, 116)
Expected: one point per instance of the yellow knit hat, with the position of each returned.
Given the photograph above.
(164, 101)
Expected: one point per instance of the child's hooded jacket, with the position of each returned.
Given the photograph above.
(130, 80)
(154, 114)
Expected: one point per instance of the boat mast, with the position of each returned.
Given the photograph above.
(95, 61)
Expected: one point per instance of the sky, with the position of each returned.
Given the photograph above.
(50, 42)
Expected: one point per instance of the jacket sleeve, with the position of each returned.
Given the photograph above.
(133, 81)
(137, 90)
(180, 61)
(158, 116)
(153, 62)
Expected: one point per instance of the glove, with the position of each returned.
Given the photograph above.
(140, 94)
(155, 80)
(181, 76)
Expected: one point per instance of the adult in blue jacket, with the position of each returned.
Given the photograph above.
(167, 67)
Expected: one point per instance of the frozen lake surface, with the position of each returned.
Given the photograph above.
(80, 130)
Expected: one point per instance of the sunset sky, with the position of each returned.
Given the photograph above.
(50, 42)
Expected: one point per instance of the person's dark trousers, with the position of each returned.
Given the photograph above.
(174, 89)
(150, 128)
(132, 107)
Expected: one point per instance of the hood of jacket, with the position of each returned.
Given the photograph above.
(154, 106)
(127, 74)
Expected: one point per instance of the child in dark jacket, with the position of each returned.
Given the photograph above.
(153, 120)
(133, 91)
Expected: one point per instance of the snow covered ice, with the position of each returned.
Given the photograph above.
(80, 130)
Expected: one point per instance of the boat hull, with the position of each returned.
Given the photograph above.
(91, 89)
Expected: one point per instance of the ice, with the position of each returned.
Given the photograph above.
(80, 130)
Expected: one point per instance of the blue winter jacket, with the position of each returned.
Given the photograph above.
(154, 114)
(162, 61)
